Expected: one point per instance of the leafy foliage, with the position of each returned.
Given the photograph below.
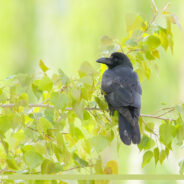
(55, 124)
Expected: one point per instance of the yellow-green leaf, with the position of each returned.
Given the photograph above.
(146, 143)
(166, 133)
(147, 158)
(50, 167)
(106, 40)
(32, 159)
(181, 165)
(43, 67)
(99, 143)
(156, 155)
(111, 167)
(60, 101)
(80, 161)
(43, 125)
(162, 156)
(152, 41)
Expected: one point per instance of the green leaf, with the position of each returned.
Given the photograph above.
(181, 165)
(149, 55)
(134, 23)
(50, 167)
(152, 41)
(106, 40)
(44, 84)
(110, 135)
(9, 121)
(86, 69)
(131, 42)
(32, 159)
(60, 101)
(86, 146)
(12, 164)
(111, 167)
(98, 166)
(86, 93)
(19, 136)
(86, 115)
(3, 96)
(43, 125)
(146, 143)
(156, 155)
(58, 152)
(76, 94)
(79, 109)
(49, 114)
(101, 103)
(155, 54)
(166, 133)
(37, 92)
(163, 37)
(149, 127)
(64, 78)
(180, 133)
(6, 123)
(76, 132)
(5, 145)
(80, 161)
(162, 156)
(60, 140)
(43, 67)
(23, 100)
(99, 143)
(87, 80)
(26, 148)
(147, 158)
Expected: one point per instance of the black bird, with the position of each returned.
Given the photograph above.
(122, 90)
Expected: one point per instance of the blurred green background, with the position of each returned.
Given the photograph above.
(64, 33)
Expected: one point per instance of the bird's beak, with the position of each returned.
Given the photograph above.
(106, 61)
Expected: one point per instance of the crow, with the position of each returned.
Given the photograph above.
(122, 91)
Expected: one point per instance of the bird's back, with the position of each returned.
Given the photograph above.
(121, 86)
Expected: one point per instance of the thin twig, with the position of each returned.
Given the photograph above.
(156, 117)
(133, 50)
(30, 105)
(164, 109)
(77, 167)
(5, 170)
(166, 112)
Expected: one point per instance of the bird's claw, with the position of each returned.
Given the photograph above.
(111, 112)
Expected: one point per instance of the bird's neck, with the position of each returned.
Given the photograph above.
(121, 65)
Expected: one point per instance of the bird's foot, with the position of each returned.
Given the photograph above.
(111, 112)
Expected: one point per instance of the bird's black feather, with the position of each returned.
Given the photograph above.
(123, 93)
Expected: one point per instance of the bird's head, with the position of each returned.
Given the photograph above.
(116, 58)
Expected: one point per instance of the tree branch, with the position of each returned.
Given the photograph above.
(92, 109)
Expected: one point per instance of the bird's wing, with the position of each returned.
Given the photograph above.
(125, 89)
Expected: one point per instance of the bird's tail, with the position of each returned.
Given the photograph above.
(127, 132)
